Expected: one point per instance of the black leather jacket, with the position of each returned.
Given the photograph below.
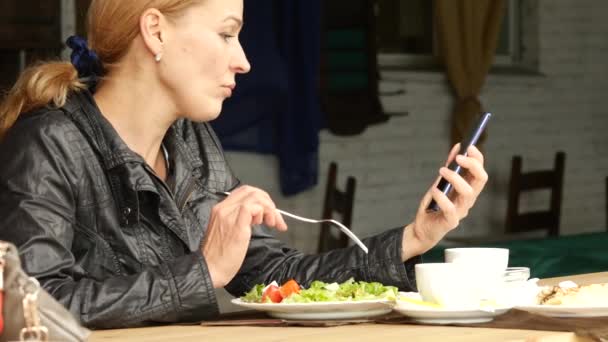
(118, 246)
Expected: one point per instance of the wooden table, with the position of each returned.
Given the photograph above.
(350, 333)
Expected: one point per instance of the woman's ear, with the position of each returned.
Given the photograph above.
(152, 25)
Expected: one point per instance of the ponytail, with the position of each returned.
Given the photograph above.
(38, 86)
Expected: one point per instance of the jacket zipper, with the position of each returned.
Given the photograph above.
(164, 184)
(183, 199)
(181, 203)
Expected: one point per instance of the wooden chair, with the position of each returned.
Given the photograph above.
(521, 182)
(336, 201)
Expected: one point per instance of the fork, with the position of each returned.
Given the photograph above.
(342, 227)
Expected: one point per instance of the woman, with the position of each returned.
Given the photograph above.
(109, 176)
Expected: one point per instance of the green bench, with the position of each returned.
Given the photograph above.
(550, 257)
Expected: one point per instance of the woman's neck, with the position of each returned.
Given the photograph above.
(140, 112)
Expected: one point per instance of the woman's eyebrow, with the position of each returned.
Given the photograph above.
(237, 19)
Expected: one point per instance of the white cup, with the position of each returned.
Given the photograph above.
(443, 284)
(485, 266)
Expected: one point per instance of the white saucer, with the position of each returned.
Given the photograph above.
(431, 315)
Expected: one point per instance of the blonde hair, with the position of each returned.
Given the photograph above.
(112, 27)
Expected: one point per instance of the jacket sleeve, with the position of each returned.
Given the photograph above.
(269, 259)
(38, 182)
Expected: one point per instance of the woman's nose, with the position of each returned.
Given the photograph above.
(240, 63)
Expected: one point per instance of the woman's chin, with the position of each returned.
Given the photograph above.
(208, 115)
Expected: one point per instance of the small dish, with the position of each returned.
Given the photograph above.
(517, 274)
(429, 314)
(518, 289)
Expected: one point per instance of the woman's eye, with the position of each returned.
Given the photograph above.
(226, 36)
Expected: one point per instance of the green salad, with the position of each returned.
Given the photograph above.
(319, 291)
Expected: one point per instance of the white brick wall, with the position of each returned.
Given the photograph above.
(564, 109)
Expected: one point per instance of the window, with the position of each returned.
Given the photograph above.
(406, 37)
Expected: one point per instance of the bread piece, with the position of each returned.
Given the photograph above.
(586, 295)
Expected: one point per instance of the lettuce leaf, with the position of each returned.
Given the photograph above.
(254, 295)
(319, 291)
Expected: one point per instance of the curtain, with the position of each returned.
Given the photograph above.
(275, 108)
(467, 36)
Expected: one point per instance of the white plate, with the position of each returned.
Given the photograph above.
(566, 310)
(431, 315)
(322, 310)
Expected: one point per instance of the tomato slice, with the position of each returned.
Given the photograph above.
(272, 294)
(290, 287)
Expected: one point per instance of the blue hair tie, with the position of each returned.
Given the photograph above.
(84, 60)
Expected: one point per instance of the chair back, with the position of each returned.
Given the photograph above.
(336, 202)
(517, 222)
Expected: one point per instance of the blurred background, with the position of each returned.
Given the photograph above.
(383, 88)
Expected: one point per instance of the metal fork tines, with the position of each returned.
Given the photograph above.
(342, 227)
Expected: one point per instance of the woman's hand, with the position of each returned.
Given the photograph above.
(229, 231)
(430, 227)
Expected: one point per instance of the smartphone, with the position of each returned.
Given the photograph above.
(472, 139)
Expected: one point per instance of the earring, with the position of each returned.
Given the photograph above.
(158, 57)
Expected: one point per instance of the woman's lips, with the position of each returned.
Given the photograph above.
(228, 89)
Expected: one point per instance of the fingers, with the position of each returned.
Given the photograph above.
(474, 152)
(469, 187)
(253, 199)
(426, 199)
(460, 185)
(453, 152)
(448, 209)
(272, 217)
(249, 215)
(473, 162)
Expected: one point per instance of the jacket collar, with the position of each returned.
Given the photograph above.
(112, 149)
